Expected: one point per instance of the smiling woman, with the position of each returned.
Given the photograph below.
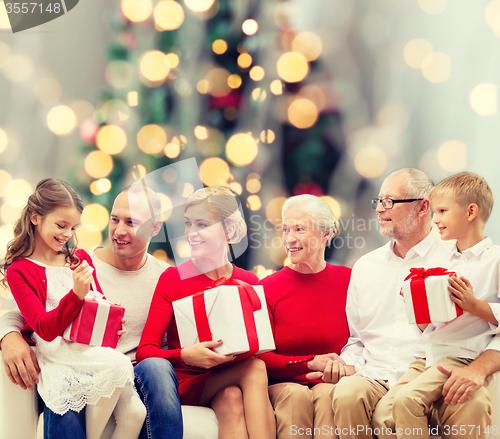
(236, 391)
(306, 302)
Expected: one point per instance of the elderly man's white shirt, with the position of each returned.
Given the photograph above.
(468, 336)
(382, 342)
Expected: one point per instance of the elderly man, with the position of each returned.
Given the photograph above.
(127, 274)
(382, 343)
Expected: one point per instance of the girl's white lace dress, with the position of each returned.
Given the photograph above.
(73, 374)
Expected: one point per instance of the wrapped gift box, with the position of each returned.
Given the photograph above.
(97, 323)
(235, 314)
(427, 298)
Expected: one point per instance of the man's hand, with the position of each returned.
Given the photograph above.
(333, 372)
(20, 361)
(319, 362)
(461, 384)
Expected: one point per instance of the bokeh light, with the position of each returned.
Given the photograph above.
(241, 149)
(219, 46)
(169, 15)
(83, 109)
(101, 186)
(201, 132)
(436, 67)
(139, 171)
(5, 178)
(244, 60)
(302, 113)
(370, 162)
(334, 205)
(6, 235)
(98, 164)
(61, 120)
(161, 255)
(273, 210)
(202, 86)
(215, 172)
(217, 82)
(257, 73)
(152, 138)
(308, 44)
(133, 98)
(315, 95)
(253, 185)
(88, 239)
(4, 140)
(48, 91)
(415, 52)
(267, 136)
(254, 203)
(259, 94)
(173, 60)
(250, 27)
(433, 7)
(199, 5)
(118, 74)
(166, 205)
(276, 87)
(111, 139)
(19, 69)
(484, 99)
(188, 190)
(492, 15)
(234, 80)
(154, 65)
(292, 67)
(236, 188)
(95, 217)
(10, 214)
(137, 10)
(182, 249)
(452, 155)
(172, 150)
(17, 192)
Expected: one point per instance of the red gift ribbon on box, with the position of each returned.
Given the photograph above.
(250, 303)
(417, 278)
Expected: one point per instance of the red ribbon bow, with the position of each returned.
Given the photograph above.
(250, 303)
(422, 273)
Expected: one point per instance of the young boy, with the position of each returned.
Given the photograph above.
(462, 204)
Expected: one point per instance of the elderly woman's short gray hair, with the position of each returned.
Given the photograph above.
(318, 209)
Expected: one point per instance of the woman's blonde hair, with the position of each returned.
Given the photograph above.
(319, 210)
(49, 194)
(223, 207)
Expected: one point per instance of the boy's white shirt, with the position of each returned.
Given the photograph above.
(467, 336)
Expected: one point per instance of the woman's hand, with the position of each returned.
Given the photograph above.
(200, 355)
(82, 277)
(318, 363)
(122, 331)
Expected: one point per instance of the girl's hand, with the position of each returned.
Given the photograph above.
(200, 355)
(122, 331)
(82, 277)
(462, 294)
(318, 363)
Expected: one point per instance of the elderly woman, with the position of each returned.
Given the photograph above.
(306, 302)
(236, 391)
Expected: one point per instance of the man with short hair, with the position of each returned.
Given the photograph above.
(382, 342)
(127, 274)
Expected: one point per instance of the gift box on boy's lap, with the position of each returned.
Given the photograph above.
(234, 313)
(97, 323)
(427, 298)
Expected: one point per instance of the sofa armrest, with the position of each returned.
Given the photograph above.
(18, 409)
(199, 423)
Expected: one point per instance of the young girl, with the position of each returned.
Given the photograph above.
(49, 292)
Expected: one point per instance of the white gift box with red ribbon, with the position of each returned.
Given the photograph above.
(427, 298)
(97, 323)
(235, 313)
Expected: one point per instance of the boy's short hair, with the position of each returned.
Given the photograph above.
(467, 188)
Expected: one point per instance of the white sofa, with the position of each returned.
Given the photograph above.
(20, 417)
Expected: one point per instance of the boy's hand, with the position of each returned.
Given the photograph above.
(462, 294)
(82, 277)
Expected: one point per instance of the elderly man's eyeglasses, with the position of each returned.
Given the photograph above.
(388, 203)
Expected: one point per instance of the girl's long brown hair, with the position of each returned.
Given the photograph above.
(49, 194)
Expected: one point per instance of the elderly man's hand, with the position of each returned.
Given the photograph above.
(333, 372)
(319, 362)
(461, 384)
(19, 360)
